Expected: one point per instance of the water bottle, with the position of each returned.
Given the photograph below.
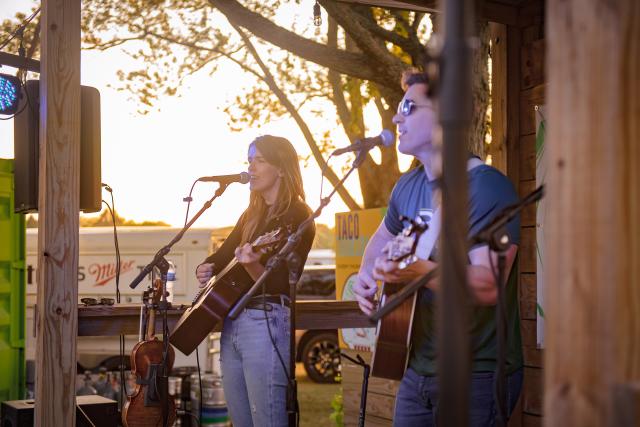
(171, 281)
(87, 389)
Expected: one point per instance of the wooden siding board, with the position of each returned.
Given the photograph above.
(528, 214)
(530, 98)
(532, 391)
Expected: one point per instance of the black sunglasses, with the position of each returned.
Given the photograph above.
(406, 107)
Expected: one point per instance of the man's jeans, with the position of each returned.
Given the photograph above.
(417, 399)
(255, 384)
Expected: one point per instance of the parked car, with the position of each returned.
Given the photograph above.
(318, 350)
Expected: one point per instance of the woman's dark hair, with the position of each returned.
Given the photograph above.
(278, 152)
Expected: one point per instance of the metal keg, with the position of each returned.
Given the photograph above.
(180, 388)
(214, 406)
(175, 391)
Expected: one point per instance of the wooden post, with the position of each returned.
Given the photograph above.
(593, 283)
(498, 147)
(58, 207)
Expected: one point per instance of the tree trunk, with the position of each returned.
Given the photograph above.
(480, 88)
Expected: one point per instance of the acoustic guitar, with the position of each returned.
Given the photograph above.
(143, 407)
(214, 301)
(393, 332)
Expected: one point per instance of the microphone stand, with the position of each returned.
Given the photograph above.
(165, 250)
(293, 408)
(365, 385)
(274, 261)
(159, 261)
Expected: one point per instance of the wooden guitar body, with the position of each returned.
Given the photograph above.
(210, 308)
(393, 336)
(215, 300)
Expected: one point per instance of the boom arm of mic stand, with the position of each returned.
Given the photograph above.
(165, 250)
(291, 242)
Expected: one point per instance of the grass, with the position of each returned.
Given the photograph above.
(315, 400)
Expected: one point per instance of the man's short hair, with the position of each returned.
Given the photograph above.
(412, 77)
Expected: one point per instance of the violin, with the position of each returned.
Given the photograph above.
(143, 407)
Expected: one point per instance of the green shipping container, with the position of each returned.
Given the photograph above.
(12, 290)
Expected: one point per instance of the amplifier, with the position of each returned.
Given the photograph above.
(101, 411)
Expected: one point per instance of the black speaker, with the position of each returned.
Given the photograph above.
(102, 412)
(26, 150)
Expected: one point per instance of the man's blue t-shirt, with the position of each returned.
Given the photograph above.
(489, 193)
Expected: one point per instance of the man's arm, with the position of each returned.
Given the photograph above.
(482, 281)
(480, 277)
(366, 287)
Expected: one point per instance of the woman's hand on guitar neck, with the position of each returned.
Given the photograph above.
(204, 272)
(250, 260)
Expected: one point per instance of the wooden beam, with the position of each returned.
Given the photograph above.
(487, 10)
(16, 61)
(125, 318)
(592, 294)
(513, 103)
(58, 203)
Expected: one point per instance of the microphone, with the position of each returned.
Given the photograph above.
(386, 138)
(242, 178)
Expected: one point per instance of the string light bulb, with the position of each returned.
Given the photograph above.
(317, 17)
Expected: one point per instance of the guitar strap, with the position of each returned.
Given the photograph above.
(427, 241)
(429, 238)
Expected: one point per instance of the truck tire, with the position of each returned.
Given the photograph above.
(321, 357)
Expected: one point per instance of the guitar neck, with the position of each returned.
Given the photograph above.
(225, 270)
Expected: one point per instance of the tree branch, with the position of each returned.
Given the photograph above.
(388, 65)
(336, 83)
(353, 64)
(317, 155)
(369, 24)
(417, 18)
(417, 50)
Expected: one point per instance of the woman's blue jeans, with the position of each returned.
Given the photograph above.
(254, 381)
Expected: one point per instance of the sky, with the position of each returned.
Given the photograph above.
(150, 161)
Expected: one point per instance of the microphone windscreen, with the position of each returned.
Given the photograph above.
(388, 137)
(244, 178)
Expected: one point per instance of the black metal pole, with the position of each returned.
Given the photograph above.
(365, 385)
(293, 409)
(165, 250)
(501, 343)
(455, 102)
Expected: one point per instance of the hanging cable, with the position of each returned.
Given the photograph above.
(20, 29)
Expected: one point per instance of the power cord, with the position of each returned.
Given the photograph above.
(324, 170)
(274, 345)
(502, 411)
(200, 385)
(20, 29)
(121, 338)
(189, 199)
